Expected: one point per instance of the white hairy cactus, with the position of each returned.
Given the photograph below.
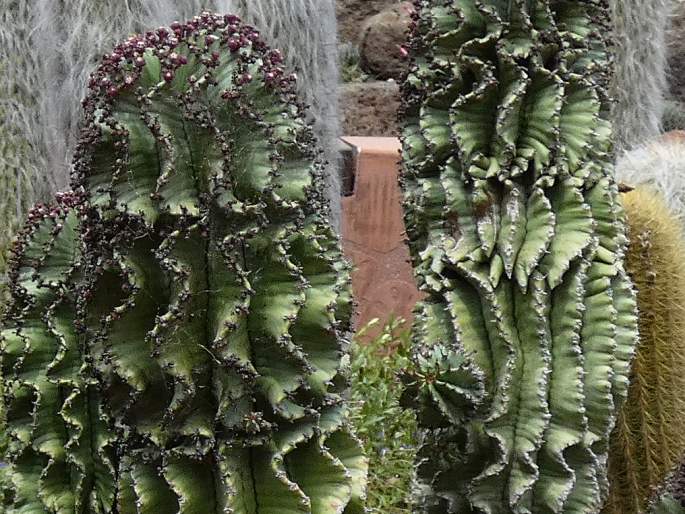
(661, 165)
(640, 82)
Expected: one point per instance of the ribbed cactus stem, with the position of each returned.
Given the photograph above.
(47, 50)
(177, 334)
(648, 442)
(517, 236)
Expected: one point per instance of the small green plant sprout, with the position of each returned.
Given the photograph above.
(386, 428)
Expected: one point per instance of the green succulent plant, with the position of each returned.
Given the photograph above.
(524, 342)
(667, 504)
(175, 341)
(674, 116)
(670, 497)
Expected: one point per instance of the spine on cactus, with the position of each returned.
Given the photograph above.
(667, 504)
(208, 295)
(524, 342)
(648, 442)
(308, 30)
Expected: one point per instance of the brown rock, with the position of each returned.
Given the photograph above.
(352, 14)
(370, 108)
(383, 35)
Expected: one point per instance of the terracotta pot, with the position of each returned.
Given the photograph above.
(373, 234)
(674, 136)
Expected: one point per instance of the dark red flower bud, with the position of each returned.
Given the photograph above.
(234, 44)
(276, 56)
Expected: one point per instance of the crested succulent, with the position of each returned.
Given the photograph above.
(48, 48)
(175, 338)
(524, 342)
(648, 442)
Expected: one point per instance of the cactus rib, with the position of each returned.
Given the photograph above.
(210, 295)
(517, 238)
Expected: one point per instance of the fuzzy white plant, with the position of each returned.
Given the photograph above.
(640, 82)
(661, 166)
(48, 49)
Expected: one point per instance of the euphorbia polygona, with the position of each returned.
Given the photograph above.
(175, 342)
(517, 235)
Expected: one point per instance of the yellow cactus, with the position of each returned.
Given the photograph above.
(649, 439)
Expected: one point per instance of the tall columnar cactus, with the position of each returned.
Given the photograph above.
(640, 85)
(649, 441)
(525, 339)
(175, 340)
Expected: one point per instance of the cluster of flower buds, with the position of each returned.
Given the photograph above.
(204, 38)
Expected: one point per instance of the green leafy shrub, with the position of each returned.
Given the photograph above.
(175, 338)
(384, 426)
(667, 504)
(674, 115)
(524, 342)
(350, 64)
(670, 498)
